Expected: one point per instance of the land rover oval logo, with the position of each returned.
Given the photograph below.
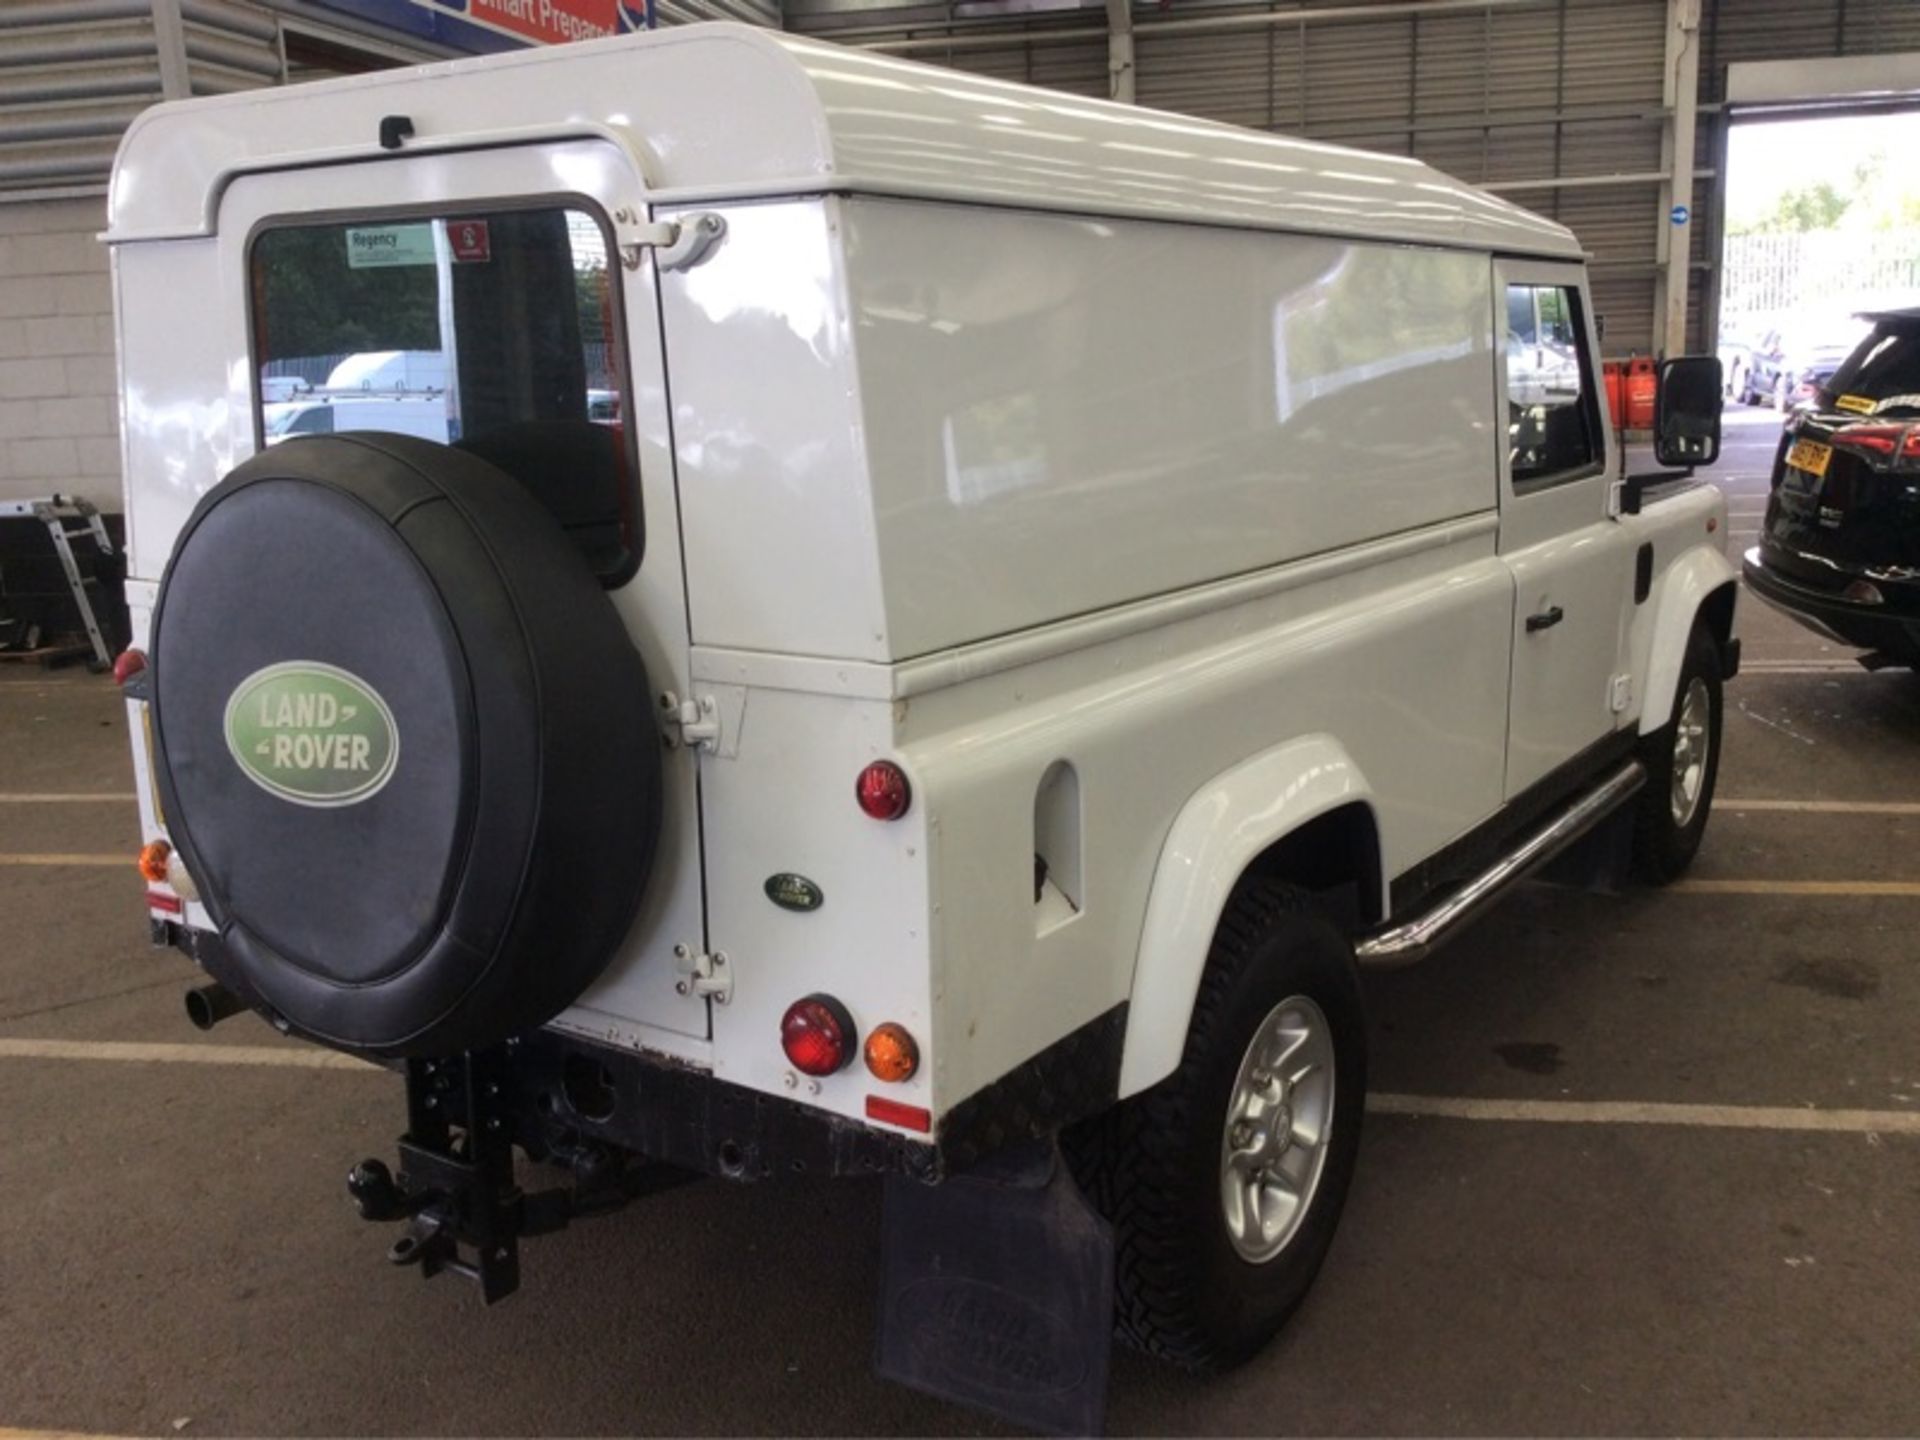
(794, 892)
(312, 733)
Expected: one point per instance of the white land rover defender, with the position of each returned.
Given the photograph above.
(948, 619)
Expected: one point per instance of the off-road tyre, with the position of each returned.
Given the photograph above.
(1663, 847)
(1152, 1164)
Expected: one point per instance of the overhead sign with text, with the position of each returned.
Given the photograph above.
(484, 25)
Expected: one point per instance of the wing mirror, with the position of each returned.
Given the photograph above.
(1686, 411)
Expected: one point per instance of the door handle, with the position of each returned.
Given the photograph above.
(1546, 619)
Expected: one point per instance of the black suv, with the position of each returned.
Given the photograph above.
(1840, 549)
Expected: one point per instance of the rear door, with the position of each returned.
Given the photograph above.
(1572, 565)
(510, 284)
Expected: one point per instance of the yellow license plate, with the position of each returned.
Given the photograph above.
(1810, 456)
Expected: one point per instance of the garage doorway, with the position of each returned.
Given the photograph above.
(1822, 221)
(1817, 210)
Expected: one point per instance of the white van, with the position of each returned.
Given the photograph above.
(397, 371)
(1102, 577)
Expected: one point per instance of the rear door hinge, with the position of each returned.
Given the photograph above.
(694, 722)
(709, 722)
(678, 244)
(707, 975)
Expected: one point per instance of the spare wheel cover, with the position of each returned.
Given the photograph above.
(404, 745)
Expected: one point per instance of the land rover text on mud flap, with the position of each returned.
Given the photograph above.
(875, 656)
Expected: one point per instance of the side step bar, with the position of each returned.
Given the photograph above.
(1417, 938)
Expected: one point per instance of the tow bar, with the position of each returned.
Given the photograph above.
(456, 1190)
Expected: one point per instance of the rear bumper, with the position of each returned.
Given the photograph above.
(689, 1119)
(560, 1090)
(1892, 628)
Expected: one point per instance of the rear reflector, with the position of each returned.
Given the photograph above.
(169, 903)
(892, 1112)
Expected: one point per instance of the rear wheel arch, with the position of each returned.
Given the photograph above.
(1323, 837)
(1336, 857)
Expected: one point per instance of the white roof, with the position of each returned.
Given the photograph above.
(724, 110)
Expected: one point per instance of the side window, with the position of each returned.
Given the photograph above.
(1553, 430)
(493, 332)
(281, 418)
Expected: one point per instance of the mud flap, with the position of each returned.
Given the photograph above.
(996, 1291)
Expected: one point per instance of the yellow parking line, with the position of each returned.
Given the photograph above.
(1639, 1112)
(1823, 807)
(68, 859)
(60, 798)
(1445, 1107)
(302, 1057)
(1797, 887)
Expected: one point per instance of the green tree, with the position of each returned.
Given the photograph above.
(310, 301)
(1811, 207)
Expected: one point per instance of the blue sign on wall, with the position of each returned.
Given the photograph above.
(1681, 214)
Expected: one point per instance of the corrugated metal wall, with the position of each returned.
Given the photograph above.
(685, 12)
(1524, 97)
(72, 75)
(230, 46)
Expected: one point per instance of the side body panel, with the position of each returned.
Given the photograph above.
(1065, 432)
(1404, 661)
(934, 920)
(1062, 415)
(904, 427)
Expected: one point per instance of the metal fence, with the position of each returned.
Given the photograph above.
(1837, 269)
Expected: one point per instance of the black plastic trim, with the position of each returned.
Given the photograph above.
(1474, 851)
(1076, 1077)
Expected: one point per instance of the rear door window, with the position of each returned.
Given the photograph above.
(1553, 419)
(1883, 368)
(495, 332)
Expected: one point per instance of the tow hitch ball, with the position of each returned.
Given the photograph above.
(456, 1189)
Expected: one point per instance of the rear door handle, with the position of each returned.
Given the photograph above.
(1546, 619)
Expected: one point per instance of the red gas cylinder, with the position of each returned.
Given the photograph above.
(1640, 387)
(1614, 373)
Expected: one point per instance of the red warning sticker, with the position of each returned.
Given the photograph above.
(470, 241)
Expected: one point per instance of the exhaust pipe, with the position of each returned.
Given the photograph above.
(208, 1005)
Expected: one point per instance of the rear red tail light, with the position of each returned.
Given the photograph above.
(127, 664)
(1884, 447)
(882, 790)
(817, 1034)
(169, 903)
